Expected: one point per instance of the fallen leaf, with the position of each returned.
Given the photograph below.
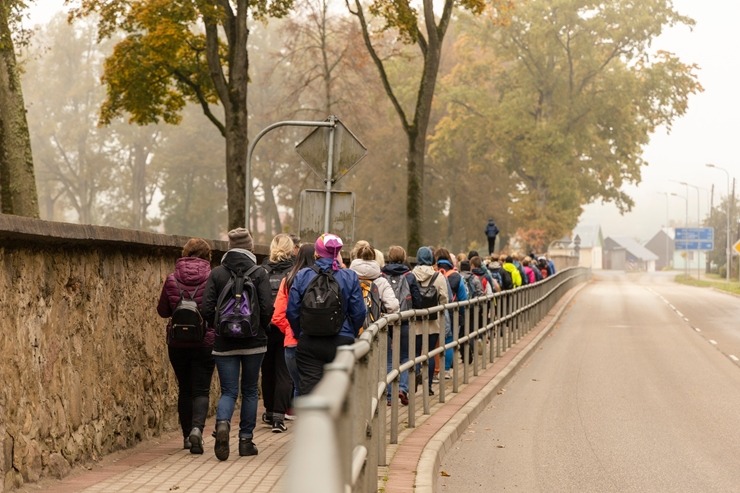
(444, 473)
(499, 446)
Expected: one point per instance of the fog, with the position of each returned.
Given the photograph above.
(706, 134)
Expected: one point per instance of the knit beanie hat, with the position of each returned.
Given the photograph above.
(329, 246)
(425, 256)
(240, 238)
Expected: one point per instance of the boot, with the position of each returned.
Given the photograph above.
(222, 440)
(247, 447)
(196, 441)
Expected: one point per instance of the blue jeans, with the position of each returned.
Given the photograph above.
(290, 362)
(403, 357)
(228, 374)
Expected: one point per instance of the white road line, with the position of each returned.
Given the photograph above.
(712, 341)
(734, 358)
(680, 314)
(697, 329)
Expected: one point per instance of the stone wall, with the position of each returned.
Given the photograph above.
(84, 369)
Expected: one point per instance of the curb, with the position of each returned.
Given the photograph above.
(445, 438)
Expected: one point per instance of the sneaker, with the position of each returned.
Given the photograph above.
(247, 447)
(448, 375)
(290, 416)
(186, 443)
(278, 427)
(267, 418)
(221, 448)
(431, 392)
(196, 441)
(403, 396)
(435, 378)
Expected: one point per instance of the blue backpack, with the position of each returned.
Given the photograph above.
(237, 309)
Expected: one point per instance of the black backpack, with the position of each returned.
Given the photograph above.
(187, 324)
(238, 309)
(321, 307)
(276, 277)
(429, 296)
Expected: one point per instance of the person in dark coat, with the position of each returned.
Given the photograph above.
(491, 233)
(238, 355)
(192, 362)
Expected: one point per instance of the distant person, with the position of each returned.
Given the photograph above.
(491, 233)
(191, 360)
(313, 292)
(240, 344)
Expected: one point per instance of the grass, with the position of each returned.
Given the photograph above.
(710, 281)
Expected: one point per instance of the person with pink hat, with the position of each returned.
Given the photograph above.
(321, 331)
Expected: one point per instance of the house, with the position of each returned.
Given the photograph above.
(663, 246)
(587, 242)
(628, 255)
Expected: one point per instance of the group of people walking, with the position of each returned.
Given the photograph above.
(285, 319)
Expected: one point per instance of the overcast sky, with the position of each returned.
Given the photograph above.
(706, 134)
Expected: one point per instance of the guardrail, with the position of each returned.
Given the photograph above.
(341, 437)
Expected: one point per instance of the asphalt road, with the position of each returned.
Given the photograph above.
(636, 389)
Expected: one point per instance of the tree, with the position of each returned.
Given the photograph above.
(567, 96)
(17, 181)
(165, 61)
(427, 31)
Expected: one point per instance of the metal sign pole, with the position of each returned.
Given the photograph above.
(250, 151)
(329, 172)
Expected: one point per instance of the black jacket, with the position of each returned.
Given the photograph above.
(237, 261)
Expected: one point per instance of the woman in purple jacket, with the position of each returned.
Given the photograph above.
(192, 362)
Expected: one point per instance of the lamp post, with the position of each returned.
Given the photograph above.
(686, 225)
(727, 213)
(698, 223)
(668, 256)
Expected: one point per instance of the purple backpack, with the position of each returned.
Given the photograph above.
(237, 309)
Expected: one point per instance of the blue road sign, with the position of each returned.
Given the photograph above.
(706, 234)
(694, 245)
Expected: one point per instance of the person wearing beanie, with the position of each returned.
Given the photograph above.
(458, 292)
(243, 355)
(313, 352)
(425, 275)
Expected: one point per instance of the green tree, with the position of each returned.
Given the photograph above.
(563, 99)
(425, 29)
(179, 52)
(17, 181)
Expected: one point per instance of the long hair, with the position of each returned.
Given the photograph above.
(305, 258)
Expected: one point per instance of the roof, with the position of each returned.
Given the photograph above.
(590, 235)
(634, 248)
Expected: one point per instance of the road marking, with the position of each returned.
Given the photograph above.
(734, 358)
(712, 341)
(681, 314)
(697, 329)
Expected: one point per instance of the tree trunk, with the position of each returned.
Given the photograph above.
(17, 182)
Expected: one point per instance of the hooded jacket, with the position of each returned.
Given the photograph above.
(423, 274)
(239, 260)
(352, 302)
(191, 273)
(370, 269)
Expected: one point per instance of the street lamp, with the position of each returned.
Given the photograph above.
(698, 222)
(686, 225)
(727, 213)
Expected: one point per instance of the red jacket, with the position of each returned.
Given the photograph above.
(279, 319)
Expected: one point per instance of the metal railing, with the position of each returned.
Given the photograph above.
(341, 436)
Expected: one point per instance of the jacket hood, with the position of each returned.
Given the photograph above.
(282, 265)
(395, 269)
(238, 259)
(478, 271)
(423, 272)
(366, 269)
(192, 271)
